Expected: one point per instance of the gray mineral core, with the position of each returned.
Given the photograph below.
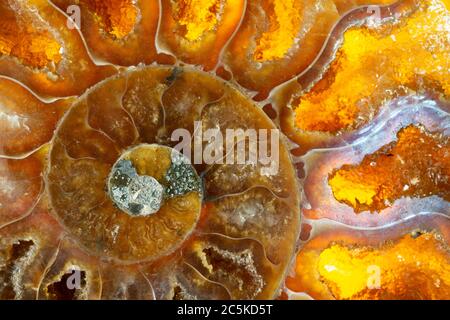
(181, 177)
(135, 194)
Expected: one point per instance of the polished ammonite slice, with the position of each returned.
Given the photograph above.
(126, 214)
(168, 183)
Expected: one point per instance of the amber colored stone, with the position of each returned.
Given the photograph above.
(278, 40)
(376, 60)
(125, 283)
(346, 88)
(48, 262)
(195, 31)
(115, 17)
(38, 49)
(121, 32)
(398, 166)
(407, 261)
(416, 165)
(426, 253)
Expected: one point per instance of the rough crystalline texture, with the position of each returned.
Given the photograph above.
(424, 256)
(115, 17)
(373, 64)
(406, 261)
(117, 31)
(278, 39)
(378, 59)
(39, 49)
(397, 167)
(195, 31)
(188, 234)
(26, 247)
(416, 165)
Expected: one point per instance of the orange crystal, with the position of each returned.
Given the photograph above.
(416, 165)
(195, 31)
(116, 17)
(33, 47)
(279, 39)
(38, 48)
(118, 31)
(398, 166)
(345, 264)
(376, 64)
(412, 268)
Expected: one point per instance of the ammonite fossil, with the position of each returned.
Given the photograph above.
(224, 149)
(120, 196)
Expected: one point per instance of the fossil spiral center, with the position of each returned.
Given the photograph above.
(147, 175)
(134, 194)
